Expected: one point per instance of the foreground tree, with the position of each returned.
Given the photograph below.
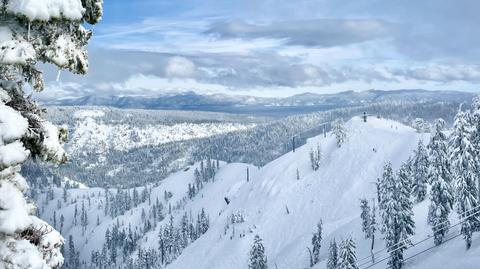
(475, 120)
(397, 214)
(258, 258)
(441, 196)
(347, 258)
(465, 175)
(332, 261)
(420, 173)
(34, 31)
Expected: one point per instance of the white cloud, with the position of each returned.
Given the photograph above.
(180, 67)
(149, 84)
(442, 73)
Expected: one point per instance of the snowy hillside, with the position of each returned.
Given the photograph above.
(332, 194)
(91, 133)
(274, 204)
(111, 147)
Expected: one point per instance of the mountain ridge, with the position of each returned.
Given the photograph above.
(278, 106)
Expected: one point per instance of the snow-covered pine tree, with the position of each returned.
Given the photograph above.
(73, 259)
(198, 179)
(83, 218)
(373, 229)
(365, 215)
(316, 244)
(313, 162)
(387, 178)
(347, 258)
(204, 222)
(332, 261)
(465, 176)
(316, 157)
(441, 196)
(258, 258)
(339, 132)
(397, 214)
(421, 126)
(475, 121)
(33, 32)
(420, 173)
(184, 231)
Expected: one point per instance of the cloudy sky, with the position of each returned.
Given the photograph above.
(279, 47)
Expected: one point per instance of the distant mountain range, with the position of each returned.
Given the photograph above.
(301, 103)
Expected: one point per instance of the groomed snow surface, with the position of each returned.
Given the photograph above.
(332, 194)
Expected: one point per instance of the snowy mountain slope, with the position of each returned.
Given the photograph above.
(109, 147)
(332, 194)
(284, 211)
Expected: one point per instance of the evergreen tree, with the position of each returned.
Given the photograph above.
(162, 246)
(387, 178)
(339, 132)
(316, 157)
(365, 215)
(258, 258)
(465, 175)
(441, 196)
(204, 222)
(33, 34)
(73, 261)
(397, 215)
(421, 126)
(184, 231)
(475, 136)
(373, 229)
(136, 199)
(198, 179)
(55, 219)
(107, 202)
(420, 172)
(209, 170)
(332, 261)
(475, 119)
(62, 219)
(64, 196)
(83, 218)
(75, 215)
(316, 244)
(347, 257)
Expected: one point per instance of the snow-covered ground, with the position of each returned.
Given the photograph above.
(284, 211)
(90, 132)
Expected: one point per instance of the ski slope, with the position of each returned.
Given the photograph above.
(284, 211)
(332, 194)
